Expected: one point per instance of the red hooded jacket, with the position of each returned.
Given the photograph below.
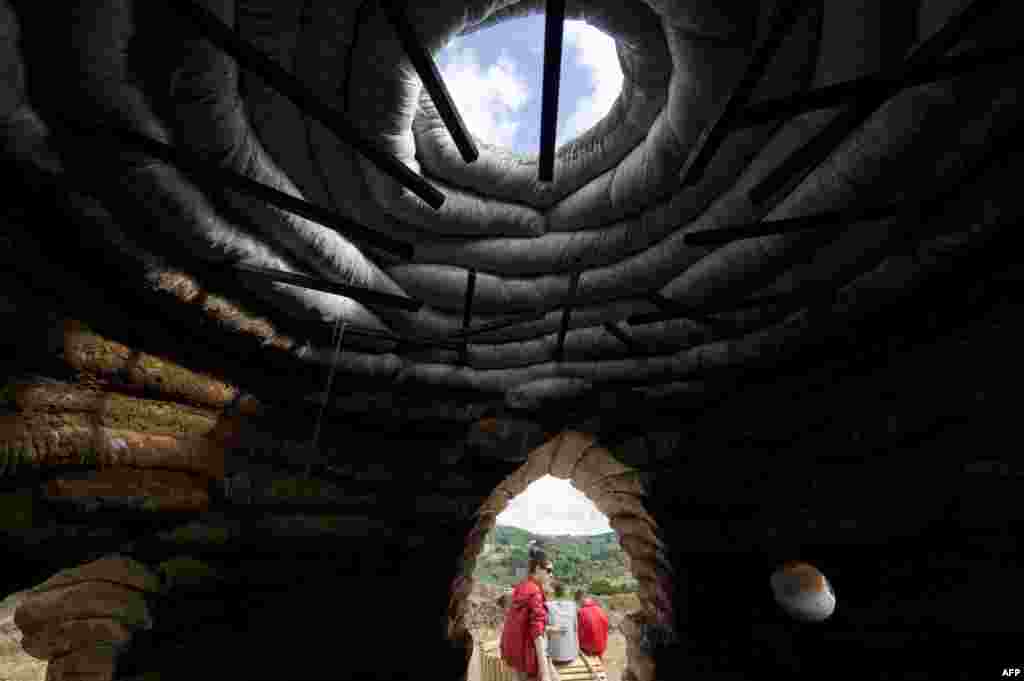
(525, 620)
(592, 625)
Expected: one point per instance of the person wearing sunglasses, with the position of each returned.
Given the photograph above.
(524, 640)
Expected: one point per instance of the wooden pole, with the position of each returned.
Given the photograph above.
(882, 84)
(554, 25)
(252, 59)
(761, 56)
(786, 177)
(426, 68)
(574, 281)
(467, 311)
(236, 181)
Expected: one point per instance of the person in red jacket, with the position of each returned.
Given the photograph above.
(524, 641)
(591, 625)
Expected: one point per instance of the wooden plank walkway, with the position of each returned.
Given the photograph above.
(583, 668)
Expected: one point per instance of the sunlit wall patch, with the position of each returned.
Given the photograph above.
(803, 592)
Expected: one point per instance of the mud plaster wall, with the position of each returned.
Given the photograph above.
(901, 492)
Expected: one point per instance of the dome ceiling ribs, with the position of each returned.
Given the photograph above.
(359, 293)
(674, 300)
(253, 60)
(426, 68)
(915, 211)
(835, 219)
(771, 366)
(554, 29)
(214, 175)
(787, 176)
(782, 22)
(883, 84)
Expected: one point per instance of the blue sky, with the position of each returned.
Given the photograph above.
(495, 78)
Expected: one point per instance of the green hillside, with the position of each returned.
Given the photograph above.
(596, 562)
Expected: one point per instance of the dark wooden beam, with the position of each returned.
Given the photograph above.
(916, 213)
(223, 177)
(554, 25)
(358, 293)
(670, 309)
(467, 311)
(253, 60)
(467, 305)
(712, 136)
(401, 341)
(425, 66)
(515, 320)
(574, 281)
(787, 176)
(414, 341)
(836, 219)
(674, 310)
(882, 84)
(622, 336)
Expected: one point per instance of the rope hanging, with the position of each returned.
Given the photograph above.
(338, 335)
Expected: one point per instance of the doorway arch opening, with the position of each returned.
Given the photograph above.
(617, 492)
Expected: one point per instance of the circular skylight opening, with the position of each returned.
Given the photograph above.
(495, 76)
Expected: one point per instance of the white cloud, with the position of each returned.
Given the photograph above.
(595, 52)
(553, 506)
(487, 99)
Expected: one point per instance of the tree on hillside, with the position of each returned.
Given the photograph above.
(518, 556)
(567, 567)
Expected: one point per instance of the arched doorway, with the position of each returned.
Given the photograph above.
(617, 491)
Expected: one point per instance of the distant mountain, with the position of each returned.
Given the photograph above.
(603, 538)
(507, 534)
(585, 560)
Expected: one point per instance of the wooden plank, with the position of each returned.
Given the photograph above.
(583, 668)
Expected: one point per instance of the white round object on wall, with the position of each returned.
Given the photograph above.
(803, 592)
